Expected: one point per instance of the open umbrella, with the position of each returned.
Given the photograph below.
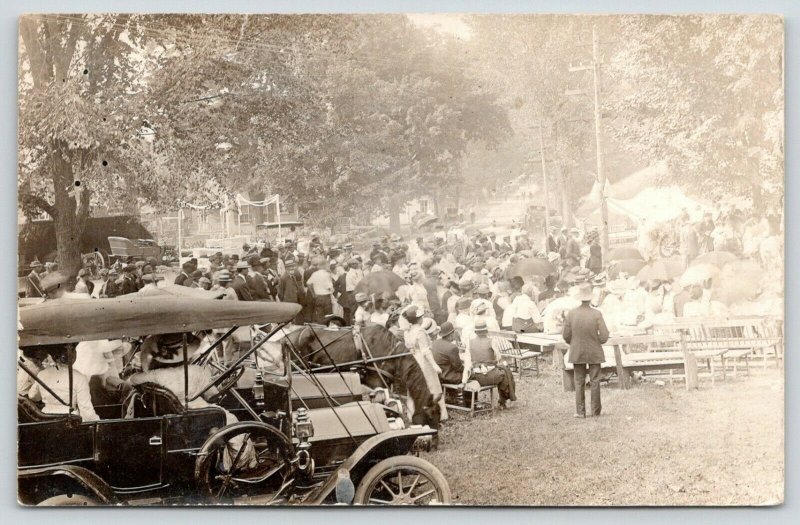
(427, 219)
(717, 258)
(624, 253)
(629, 266)
(738, 281)
(379, 282)
(661, 269)
(561, 304)
(699, 273)
(530, 267)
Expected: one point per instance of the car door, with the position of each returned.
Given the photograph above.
(129, 453)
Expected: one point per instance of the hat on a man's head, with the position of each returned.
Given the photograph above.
(463, 303)
(36, 264)
(223, 276)
(361, 297)
(581, 292)
(242, 265)
(446, 329)
(430, 326)
(483, 289)
(254, 260)
(465, 285)
(480, 327)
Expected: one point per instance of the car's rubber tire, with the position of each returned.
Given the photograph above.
(400, 463)
(65, 500)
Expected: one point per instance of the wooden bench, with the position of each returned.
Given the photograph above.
(507, 343)
(469, 400)
(658, 355)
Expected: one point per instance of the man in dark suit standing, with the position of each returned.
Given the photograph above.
(183, 278)
(239, 283)
(290, 287)
(445, 353)
(256, 281)
(585, 332)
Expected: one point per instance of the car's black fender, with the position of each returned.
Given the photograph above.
(377, 448)
(65, 479)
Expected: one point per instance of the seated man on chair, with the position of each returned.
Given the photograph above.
(484, 363)
(445, 353)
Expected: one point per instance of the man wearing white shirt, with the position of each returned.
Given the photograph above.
(320, 283)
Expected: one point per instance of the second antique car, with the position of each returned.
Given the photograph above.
(155, 448)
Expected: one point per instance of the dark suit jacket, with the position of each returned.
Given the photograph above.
(128, 285)
(258, 287)
(445, 353)
(585, 332)
(239, 286)
(290, 287)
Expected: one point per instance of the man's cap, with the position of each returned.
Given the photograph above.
(480, 326)
(242, 265)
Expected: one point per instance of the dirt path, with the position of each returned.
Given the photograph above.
(653, 446)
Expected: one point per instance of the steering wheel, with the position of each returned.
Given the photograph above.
(227, 384)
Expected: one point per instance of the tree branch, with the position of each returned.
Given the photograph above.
(35, 201)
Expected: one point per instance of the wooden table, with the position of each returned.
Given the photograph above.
(556, 344)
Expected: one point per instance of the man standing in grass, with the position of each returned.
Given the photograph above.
(585, 332)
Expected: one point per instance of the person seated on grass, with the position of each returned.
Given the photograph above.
(485, 366)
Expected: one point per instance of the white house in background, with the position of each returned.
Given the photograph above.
(408, 211)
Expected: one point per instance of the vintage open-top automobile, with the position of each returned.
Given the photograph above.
(153, 448)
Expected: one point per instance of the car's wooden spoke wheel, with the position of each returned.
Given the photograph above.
(247, 460)
(403, 480)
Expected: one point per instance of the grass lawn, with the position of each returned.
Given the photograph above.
(653, 445)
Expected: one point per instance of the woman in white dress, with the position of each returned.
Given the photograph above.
(418, 341)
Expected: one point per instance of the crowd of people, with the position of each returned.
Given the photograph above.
(442, 293)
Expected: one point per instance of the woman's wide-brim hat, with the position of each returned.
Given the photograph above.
(412, 313)
(168, 348)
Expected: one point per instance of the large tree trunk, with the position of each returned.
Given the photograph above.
(70, 211)
(564, 197)
(394, 215)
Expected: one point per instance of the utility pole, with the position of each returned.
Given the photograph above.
(544, 178)
(598, 132)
